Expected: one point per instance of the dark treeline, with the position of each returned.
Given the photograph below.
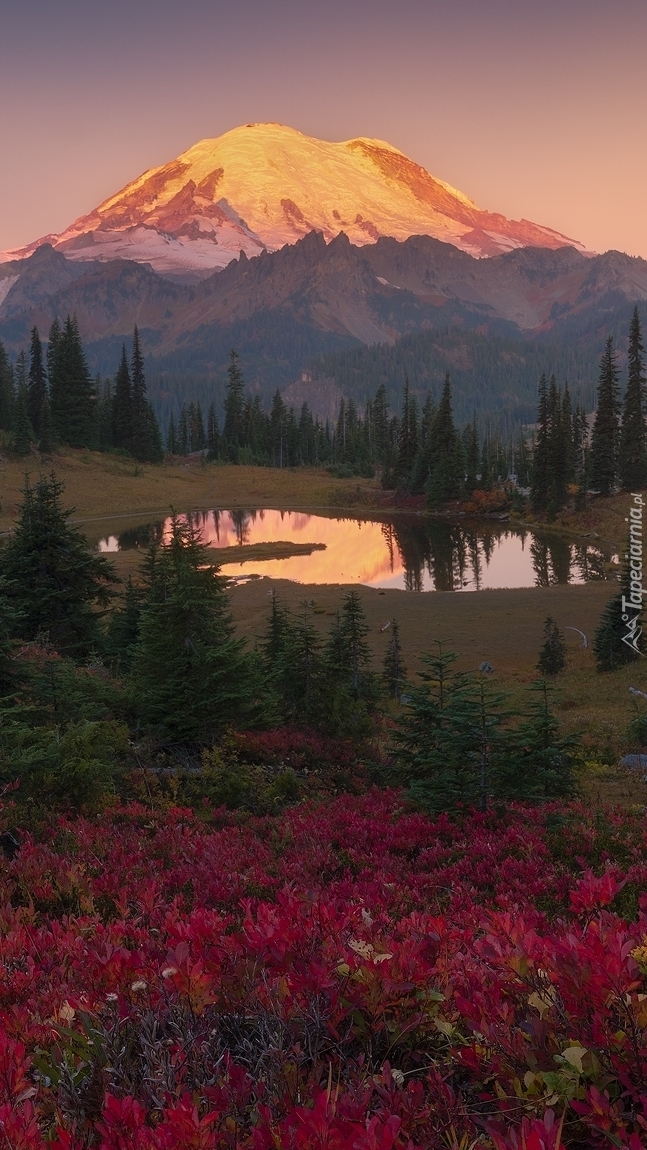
(49, 397)
(567, 459)
(418, 450)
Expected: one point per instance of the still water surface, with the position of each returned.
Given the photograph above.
(405, 551)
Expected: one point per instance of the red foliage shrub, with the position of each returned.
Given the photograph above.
(348, 975)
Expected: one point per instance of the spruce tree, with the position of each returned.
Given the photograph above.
(632, 465)
(605, 436)
(171, 436)
(234, 403)
(123, 630)
(47, 442)
(53, 579)
(6, 391)
(552, 657)
(191, 675)
(540, 480)
(446, 448)
(472, 456)
(37, 382)
(213, 434)
(23, 433)
(105, 412)
(52, 345)
(429, 749)
(394, 673)
(407, 439)
(538, 762)
(122, 406)
(277, 431)
(72, 395)
(145, 439)
(183, 432)
(9, 625)
(381, 432)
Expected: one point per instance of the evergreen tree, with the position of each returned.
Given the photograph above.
(448, 468)
(53, 580)
(538, 762)
(171, 437)
(381, 433)
(105, 412)
(122, 406)
(213, 434)
(552, 657)
(430, 744)
(472, 456)
(47, 442)
(559, 443)
(23, 433)
(394, 674)
(37, 382)
(183, 432)
(633, 436)
(72, 395)
(540, 480)
(52, 345)
(145, 438)
(9, 625)
(407, 439)
(277, 431)
(6, 391)
(191, 675)
(605, 437)
(123, 630)
(234, 405)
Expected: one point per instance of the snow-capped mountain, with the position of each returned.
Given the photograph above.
(261, 186)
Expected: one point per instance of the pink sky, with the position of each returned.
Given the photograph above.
(536, 110)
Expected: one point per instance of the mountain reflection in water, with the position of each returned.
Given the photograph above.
(406, 551)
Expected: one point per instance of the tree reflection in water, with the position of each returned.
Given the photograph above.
(421, 554)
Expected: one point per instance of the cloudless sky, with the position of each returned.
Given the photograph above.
(534, 109)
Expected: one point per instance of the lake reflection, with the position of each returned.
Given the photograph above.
(407, 551)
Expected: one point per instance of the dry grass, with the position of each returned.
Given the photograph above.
(504, 627)
(109, 488)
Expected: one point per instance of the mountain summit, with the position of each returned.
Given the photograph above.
(261, 186)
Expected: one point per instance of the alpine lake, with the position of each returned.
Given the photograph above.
(408, 552)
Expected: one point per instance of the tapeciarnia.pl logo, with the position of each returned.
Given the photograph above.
(633, 604)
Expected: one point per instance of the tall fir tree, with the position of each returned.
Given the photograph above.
(540, 476)
(446, 447)
(193, 677)
(171, 436)
(234, 404)
(605, 439)
(122, 405)
(632, 464)
(52, 344)
(37, 386)
(6, 391)
(72, 394)
(394, 672)
(145, 439)
(407, 439)
(53, 580)
(23, 433)
(213, 434)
